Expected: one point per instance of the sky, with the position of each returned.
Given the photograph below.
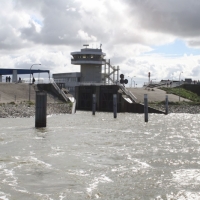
(140, 36)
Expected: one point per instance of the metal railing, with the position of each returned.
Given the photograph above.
(127, 92)
(60, 91)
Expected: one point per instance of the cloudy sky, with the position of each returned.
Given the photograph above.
(141, 36)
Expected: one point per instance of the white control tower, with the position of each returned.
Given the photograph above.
(90, 61)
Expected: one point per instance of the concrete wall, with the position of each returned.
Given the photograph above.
(104, 97)
(91, 73)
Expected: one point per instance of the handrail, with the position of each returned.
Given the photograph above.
(59, 90)
(127, 92)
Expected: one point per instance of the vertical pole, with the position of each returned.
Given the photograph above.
(109, 72)
(105, 73)
(117, 74)
(113, 74)
(93, 104)
(115, 105)
(40, 109)
(166, 105)
(145, 108)
(29, 98)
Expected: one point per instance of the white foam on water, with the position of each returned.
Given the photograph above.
(39, 138)
(93, 186)
(186, 177)
(62, 196)
(183, 195)
(4, 196)
(10, 178)
(78, 172)
(56, 151)
(127, 131)
(120, 169)
(141, 164)
(31, 161)
(36, 161)
(22, 190)
(2, 166)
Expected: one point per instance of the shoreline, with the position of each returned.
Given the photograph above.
(27, 110)
(190, 109)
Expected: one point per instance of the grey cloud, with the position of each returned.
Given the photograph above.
(59, 26)
(116, 60)
(194, 43)
(180, 17)
(196, 71)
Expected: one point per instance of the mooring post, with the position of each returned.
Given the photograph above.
(115, 105)
(93, 104)
(40, 109)
(145, 108)
(166, 105)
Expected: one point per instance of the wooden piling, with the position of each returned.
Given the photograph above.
(93, 104)
(40, 109)
(145, 108)
(166, 105)
(115, 105)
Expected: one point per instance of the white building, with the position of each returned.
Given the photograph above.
(91, 63)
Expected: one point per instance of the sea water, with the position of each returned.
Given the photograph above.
(82, 156)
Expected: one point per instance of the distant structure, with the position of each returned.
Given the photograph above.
(91, 61)
(15, 72)
(94, 70)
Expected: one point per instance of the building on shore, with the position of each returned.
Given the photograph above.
(94, 70)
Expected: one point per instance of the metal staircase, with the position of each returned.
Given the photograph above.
(128, 93)
(59, 90)
(111, 73)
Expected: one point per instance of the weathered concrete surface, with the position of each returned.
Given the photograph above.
(17, 92)
(154, 95)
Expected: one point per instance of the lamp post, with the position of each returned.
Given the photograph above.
(30, 82)
(132, 80)
(134, 83)
(179, 84)
(153, 79)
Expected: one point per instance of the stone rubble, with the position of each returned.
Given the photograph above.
(191, 109)
(22, 110)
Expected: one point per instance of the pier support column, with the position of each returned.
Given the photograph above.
(166, 105)
(14, 76)
(93, 104)
(145, 108)
(115, 105)
(40, 109)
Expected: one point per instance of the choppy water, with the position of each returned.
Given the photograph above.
(98, 157)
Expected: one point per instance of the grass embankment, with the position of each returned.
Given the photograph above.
(193, 97)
